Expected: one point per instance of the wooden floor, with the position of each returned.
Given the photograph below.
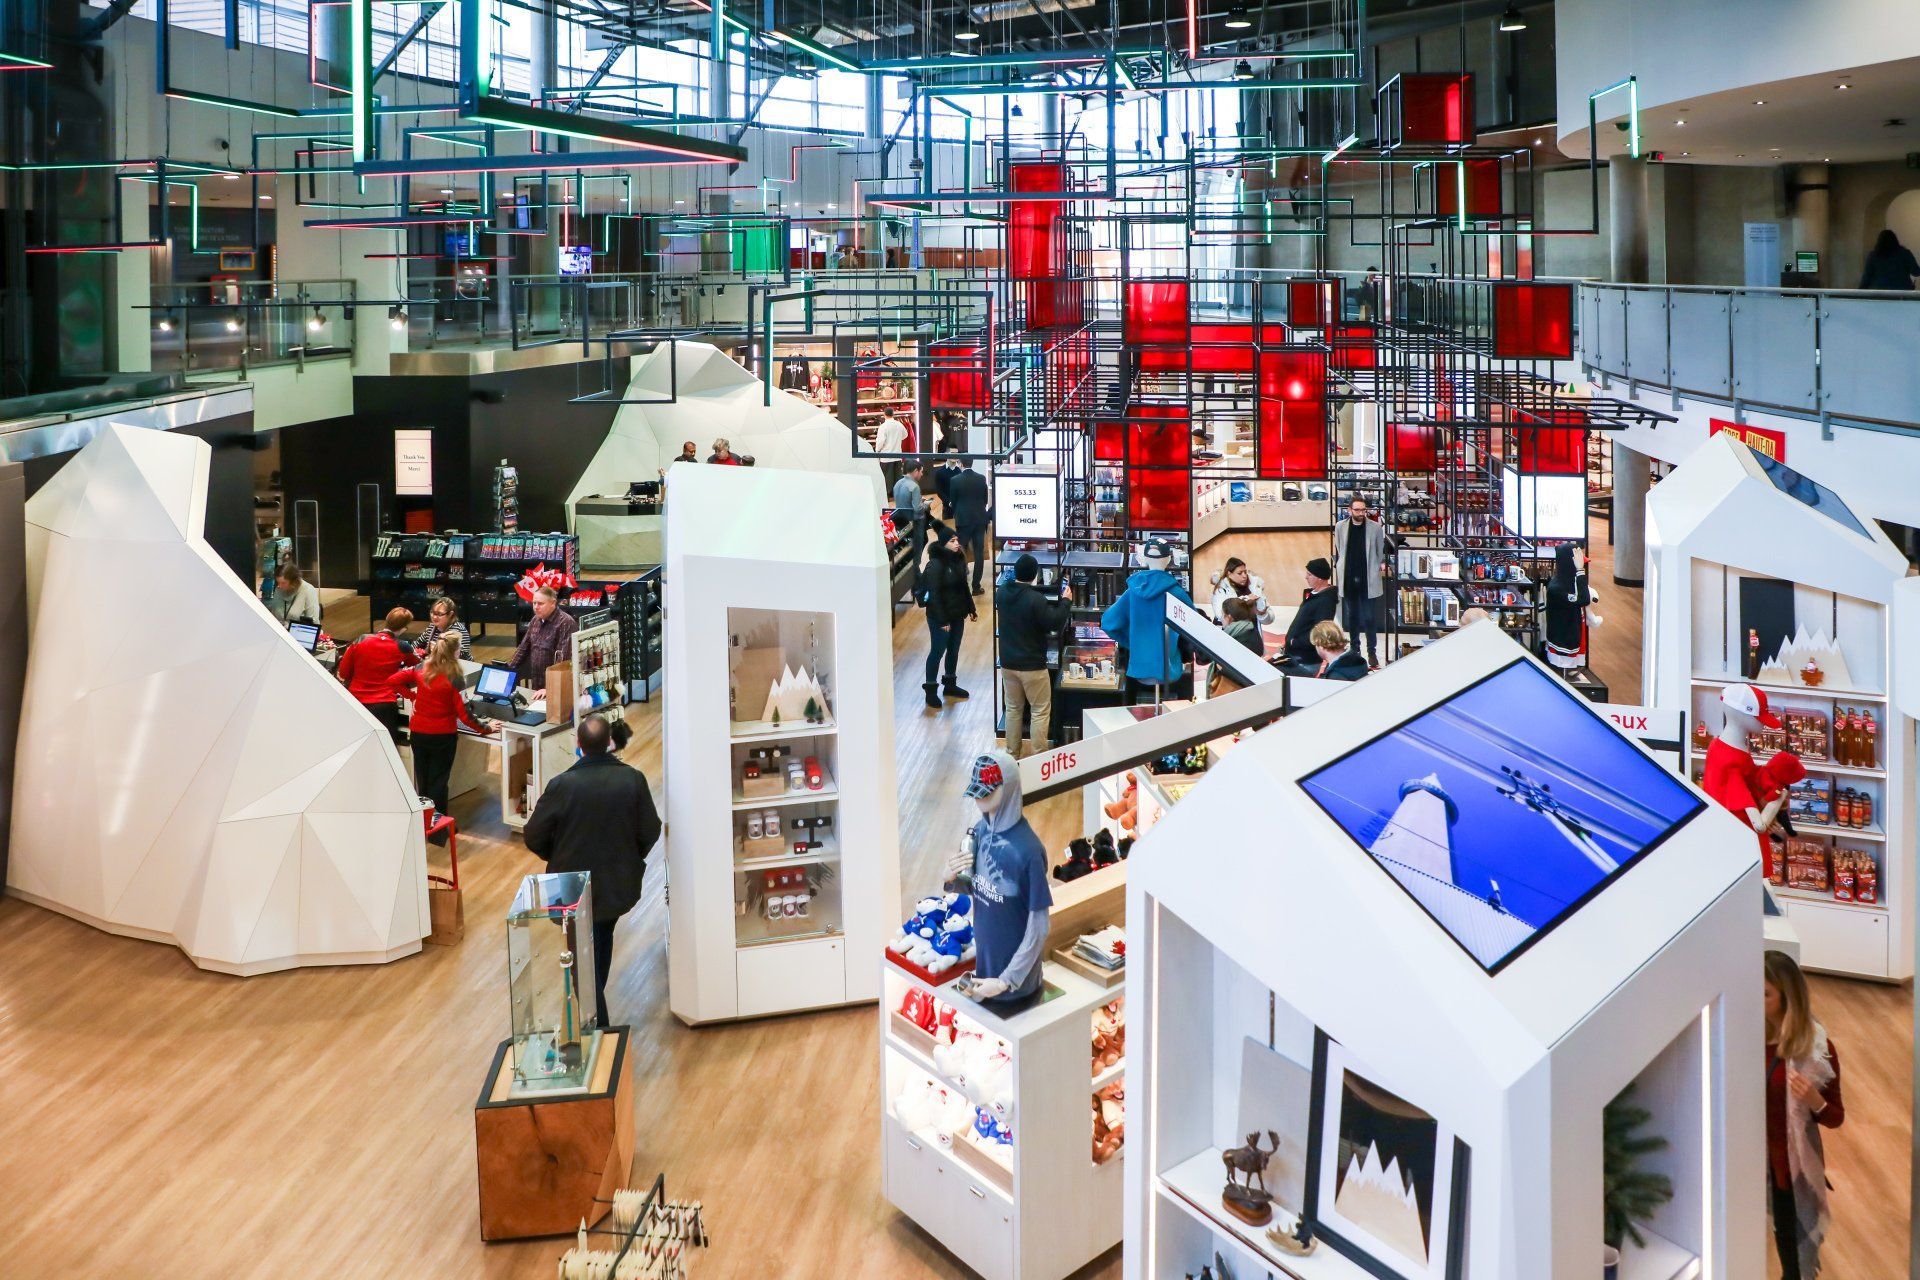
(164, 1123)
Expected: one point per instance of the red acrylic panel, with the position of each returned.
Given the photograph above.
(1156, 313)
(1353, 346)
(1159, 499)
(1309, 303)
(1032, 224)
(1290, 419)
(960, 376)
(1483, 189)
(1436, 108)
(1412, 446)
(1164, 443)
(1109, 442)
(1533, 321)
(1558, 449)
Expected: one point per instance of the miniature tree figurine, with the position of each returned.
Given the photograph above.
(813, 711)
(1632, 1193)
(776, 717)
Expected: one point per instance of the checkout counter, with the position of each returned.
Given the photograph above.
(516, 760)
(620, 533)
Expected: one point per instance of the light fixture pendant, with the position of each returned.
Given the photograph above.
(233, 324)
(396, 317)
(1237, 19)
(966, 31)
(1243, 70)
(1510, 19)
(314, 324)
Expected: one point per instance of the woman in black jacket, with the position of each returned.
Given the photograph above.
(949, 604)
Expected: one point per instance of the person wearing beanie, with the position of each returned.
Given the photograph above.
(1029, 621)
(1137, 620)
(949, 606)
(1320, 604)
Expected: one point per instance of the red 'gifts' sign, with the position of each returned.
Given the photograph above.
(1768, 444)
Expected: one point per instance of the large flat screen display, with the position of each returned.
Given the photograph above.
(1544, 506)
(1812, 492)
(1503, 809)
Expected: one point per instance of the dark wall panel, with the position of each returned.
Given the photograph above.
(525, 417)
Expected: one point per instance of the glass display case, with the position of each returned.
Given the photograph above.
(785, 759)
(1089, 660)
(550, 983)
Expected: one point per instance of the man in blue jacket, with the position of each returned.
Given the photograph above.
(1137, 621)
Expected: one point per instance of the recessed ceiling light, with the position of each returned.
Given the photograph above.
(231, 177)
(269, 199)
(1759, 102)
(1843, 85)
(446, 191)
(833, 206)
(1774, 149)
(1739, 155)
(1679, 124)
(679, 201)
(1536, 142)
(1826, 159)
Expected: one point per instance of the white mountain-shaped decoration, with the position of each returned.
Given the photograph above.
(1786, 666)
(1381, 1201)
(790, 694)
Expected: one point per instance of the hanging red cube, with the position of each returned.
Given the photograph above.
(1412, 446)
(1482, 181)
(1159, 500)
(1290, 416)
(1156, 313)
(959, 376)
(1532, 321)
(1354, 346)
(1435, 108)
(1309, 303)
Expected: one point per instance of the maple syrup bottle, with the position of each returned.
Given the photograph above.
(1870, 742)
(1751, 667)
(1842, 736)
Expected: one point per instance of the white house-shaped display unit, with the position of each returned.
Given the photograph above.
(782, 819)
(1740, 549)
(1472, 913)
(187, 772)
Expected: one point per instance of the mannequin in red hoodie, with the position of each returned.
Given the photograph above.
(1732, 778)
(369, 664)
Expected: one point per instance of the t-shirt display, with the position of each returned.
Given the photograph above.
(1009, 883)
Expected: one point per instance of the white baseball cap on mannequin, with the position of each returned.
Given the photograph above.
(1749, 701)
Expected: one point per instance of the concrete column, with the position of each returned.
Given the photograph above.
(1630, 211)
(1810, 191)
(543, 252)
(1632, 477)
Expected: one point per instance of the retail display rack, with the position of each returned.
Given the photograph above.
(636, 603)
(506, 498)
(477, 571)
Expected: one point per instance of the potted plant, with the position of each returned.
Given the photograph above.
(1631, 1193)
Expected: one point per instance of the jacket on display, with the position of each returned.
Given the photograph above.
(598, 817)
(969, 500)
(943, 584)
(370, 663)
(1319, 606)
(1028, 621)
(795, 375)
(1375, 539)
(1137, 621)
(438, 706)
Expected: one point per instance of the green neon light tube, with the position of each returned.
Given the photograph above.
(820, 52)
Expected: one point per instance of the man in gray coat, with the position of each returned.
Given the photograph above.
(1359, 572)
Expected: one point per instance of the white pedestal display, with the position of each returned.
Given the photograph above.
(784, 885)
(1726, 546)
(189, 774)
(1356, 997)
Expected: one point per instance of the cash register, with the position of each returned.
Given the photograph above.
(495, 697)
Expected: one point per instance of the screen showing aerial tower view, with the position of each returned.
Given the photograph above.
(1503, 809)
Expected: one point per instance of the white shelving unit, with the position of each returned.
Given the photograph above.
(1719, 521)
(776, 580)
(1265, 973)
(1267, 507)
(1042, 1206)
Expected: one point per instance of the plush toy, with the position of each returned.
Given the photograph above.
(928, 915)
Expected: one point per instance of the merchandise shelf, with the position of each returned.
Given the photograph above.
(922, 1060)
(768, 931)
(1792, 690)
(1194, 1185)
(828, 791)
(1816, 766)
(1872, 835)
(827, 852)
(1107, 1077)
(761, 731)
(1824, 899)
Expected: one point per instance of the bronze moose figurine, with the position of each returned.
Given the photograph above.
(1246, 1196)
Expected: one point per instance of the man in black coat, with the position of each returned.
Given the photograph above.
(598, 817)
(1029, 620)
(1321, 605)
(968, 510)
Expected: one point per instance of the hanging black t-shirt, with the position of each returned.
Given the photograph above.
(795, 375)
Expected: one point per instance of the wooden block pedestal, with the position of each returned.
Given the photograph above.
(547, 1163)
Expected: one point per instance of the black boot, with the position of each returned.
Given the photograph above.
(933, 697)
(953, 690)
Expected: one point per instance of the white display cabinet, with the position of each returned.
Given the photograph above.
(1728, 544)
(776, 621)
(1298, 986)
(1044, 1204)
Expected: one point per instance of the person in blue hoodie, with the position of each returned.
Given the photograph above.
(1137, 621)
(1011, 895)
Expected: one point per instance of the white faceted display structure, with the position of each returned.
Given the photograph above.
(692, 391)
(1481, 914)
(189, 773)
(1749, 558)
(782, 818)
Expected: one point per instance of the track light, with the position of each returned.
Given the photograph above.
(317, 322)
(1510, 19)
(233, 324)
(1243, 70)
(1237, 19)
(396, 317)
(165, 324)
(915, 165)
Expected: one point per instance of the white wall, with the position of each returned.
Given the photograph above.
(1683, 49)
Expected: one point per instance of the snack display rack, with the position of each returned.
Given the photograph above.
(477, 571)
(782, 846)
(1749, 582)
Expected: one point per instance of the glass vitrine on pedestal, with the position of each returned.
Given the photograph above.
(550, 983)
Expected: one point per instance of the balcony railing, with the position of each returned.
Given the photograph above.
(231, 324)
(1833, 354)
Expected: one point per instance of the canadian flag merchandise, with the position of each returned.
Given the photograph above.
(541, 576)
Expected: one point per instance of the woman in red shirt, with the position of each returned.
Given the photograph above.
(370, 662)
(1803, 1097)
(438, 712)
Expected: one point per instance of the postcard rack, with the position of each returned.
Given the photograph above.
(648, 1237)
